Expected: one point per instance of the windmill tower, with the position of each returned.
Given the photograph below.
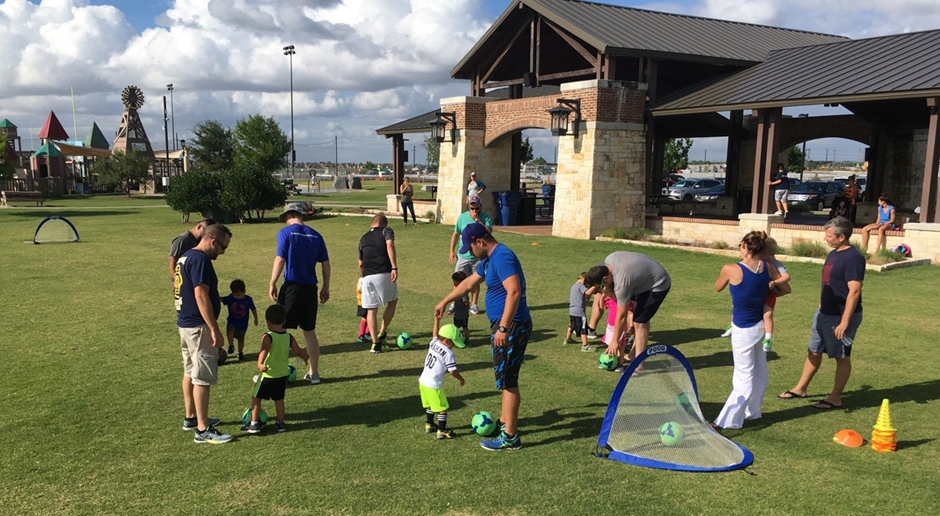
(131, 134)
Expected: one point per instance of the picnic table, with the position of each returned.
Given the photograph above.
(8, 197)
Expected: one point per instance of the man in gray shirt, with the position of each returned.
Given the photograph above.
(185, 242)
(632, 277)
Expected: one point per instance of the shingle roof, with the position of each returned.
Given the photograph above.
(52, 129)
(887, 67)
(621, 30)
(95, 138)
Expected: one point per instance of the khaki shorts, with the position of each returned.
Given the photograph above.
(200, 359)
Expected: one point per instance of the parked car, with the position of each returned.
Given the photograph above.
(670, 180)
(711, 194)
(861, 182)
(817, 194)
(686, 189)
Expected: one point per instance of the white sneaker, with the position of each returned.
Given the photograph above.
(474, 309)
(313, 378)
(778, 212)
(727, 333)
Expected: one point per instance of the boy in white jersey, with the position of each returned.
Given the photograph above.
(437, 364)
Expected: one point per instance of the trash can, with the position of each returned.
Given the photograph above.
(526, 213)
(507, 207)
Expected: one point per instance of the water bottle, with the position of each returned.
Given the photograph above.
(846, 340)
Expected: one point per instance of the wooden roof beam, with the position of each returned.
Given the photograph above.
(499, 59)
(585, 53)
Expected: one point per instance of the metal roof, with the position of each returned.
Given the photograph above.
(883, 68)
(618, 30)
(6, 124)
(95, 138)
(52, 129)
(421, 123)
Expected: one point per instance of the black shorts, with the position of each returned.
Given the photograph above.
(577, 325)
(360, 311)
(301, 303)
(507, 360)
(270, 388)
(461, 323)
(647, 304)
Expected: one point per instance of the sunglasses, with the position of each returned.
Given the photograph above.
(474, 208)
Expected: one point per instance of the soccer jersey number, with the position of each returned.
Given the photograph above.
(430, 362)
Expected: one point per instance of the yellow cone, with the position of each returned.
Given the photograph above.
(884, 417)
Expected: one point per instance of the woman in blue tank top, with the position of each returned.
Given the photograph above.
(749, 281)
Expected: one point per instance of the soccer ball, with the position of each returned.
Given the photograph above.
(483, 424)
(291, 373)
(246, 417)
(684, 402)
(607, 362)
(404, 341)
(671, 433)
(222, 356)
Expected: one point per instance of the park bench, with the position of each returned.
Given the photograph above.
(8, 197)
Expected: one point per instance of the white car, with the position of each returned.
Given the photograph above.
(686, 189)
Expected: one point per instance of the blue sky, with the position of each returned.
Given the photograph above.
(360, 64)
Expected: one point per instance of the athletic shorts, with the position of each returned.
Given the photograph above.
(507, 360)
(360, 311)
(466, 265)
(378, 290)
(461, 323)
(301, 304)
(781, 195)
(270, 388)
(577, 325)
(647, 304)
(771, 299)
(237, 332)
(433, 399)
(821, 337)
(200, 359)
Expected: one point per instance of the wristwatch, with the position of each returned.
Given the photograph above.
(502, 329)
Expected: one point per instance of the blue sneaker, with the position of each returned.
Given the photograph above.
(211, 436)
(191, 424)
(502, 443)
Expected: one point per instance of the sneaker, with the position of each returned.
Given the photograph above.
(445, 434)
(727, 333)
(313, 378)
(212, 436)
(241, 356)
(450, 309)
(502, 443)
(378, 348)
(362, 339)
(591, 333)
(589, 348)
(619, 368)
(778, 212)
(474, 309)
(430, 428)
(768, 344)
(381, 338)
(231, 350)
(192, 423)
(280, 427)
(253, 427)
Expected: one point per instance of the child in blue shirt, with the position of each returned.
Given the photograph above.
(238, 304)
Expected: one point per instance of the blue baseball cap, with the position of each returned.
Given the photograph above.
(471, 233)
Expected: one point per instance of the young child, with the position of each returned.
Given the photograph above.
(610, 303)
(361, 313)
(462, 308)
(576, 314)
(439, 361)
(238, 304)
(276, 346)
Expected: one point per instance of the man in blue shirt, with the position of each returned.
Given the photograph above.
(299, 249)
(466, 262)
(510, 322)
(196, 289)
(781, 185)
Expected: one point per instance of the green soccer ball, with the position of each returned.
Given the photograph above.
(671, 434)
(607, 362)
(684, 402)
(246, 417)
(483, 423)
(291, 374)
(404, 341)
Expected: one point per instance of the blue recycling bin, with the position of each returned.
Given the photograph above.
(507, 207)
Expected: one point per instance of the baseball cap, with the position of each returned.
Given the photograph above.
(449, 331)
(474, 200)
(471, 233)
(292, 206)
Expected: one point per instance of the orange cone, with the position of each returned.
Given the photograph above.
(884, 435)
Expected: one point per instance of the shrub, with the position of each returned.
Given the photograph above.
(719, 244)
(809, 248)
(197, 191)
(884, 256)
(430, 215)
(634, 233)
(799, 207)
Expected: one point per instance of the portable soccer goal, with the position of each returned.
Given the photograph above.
(55, 230)
(654, 419)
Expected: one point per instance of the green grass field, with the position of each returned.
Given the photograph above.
(93, 409)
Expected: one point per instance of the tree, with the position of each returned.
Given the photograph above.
(122, 169)
(434, 152)
(676, 154)
(7, 169)
(211, 146)
(197, 191)
(369, 166)
(249, 189)
(526, 153)
(795, 159)
(539, 161)
(260, 145)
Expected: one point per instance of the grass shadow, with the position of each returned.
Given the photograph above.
(555, 306)
(684, 335)
(578, 425)
(37, 213)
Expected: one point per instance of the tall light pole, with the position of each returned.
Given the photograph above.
(172, 114)
(803, 164)
(289, 52)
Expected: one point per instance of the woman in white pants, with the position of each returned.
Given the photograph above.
(750, 280)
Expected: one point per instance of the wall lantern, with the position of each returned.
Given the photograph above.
(560, 117)
(440, 125)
